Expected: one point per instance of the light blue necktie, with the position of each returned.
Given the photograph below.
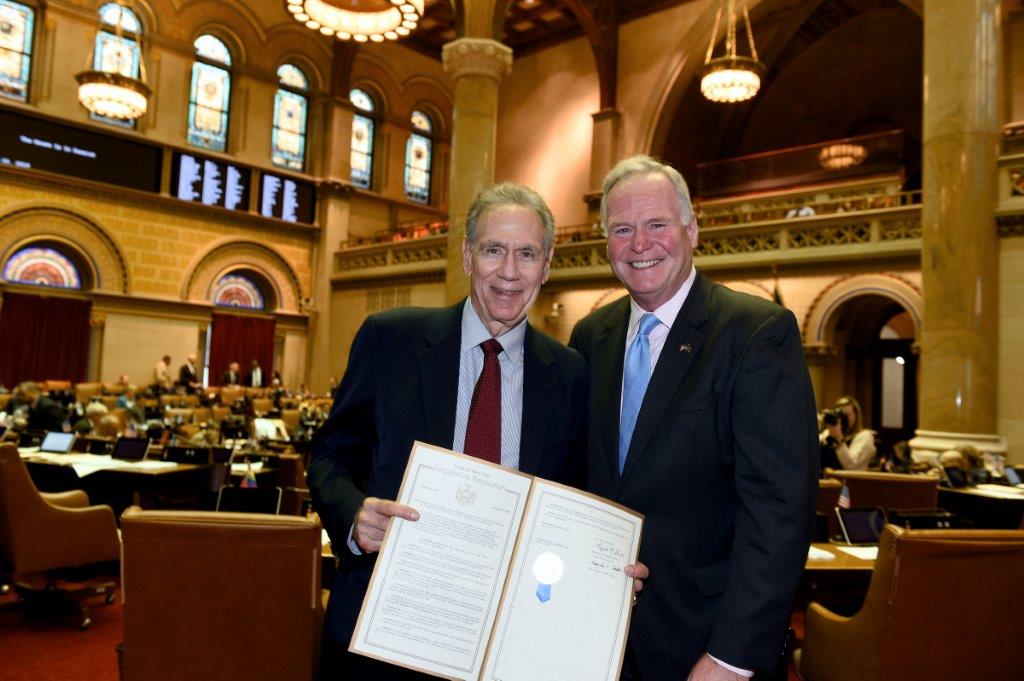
(636, 375)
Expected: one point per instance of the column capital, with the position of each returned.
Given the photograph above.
(477, 56)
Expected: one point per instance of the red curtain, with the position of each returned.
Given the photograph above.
(43, 338)
(238, 338)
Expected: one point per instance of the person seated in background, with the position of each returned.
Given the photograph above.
(899, 460)
(126, 401)
(109, 426)
(123, 381)
(232, 376)
(43, 412)
(255, 378)
(845, 442)
(90, 422)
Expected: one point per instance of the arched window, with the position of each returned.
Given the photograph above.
(238, 290)
(288, 143)
(42, 266)
(117, 54)
(362, 138)
(418, 157)
(16, 30)
(210, 97)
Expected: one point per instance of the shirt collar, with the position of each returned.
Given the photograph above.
(474, 333)
(668, 311)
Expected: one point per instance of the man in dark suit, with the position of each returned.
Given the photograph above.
(420, 374)
(232, 375)
(188, 374)
(43, 412)
(254, 378)
(701, 417)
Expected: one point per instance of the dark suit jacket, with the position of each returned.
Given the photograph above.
(264, 381)
(228, 379)
(46, 414)
(401, 385)
(723, 463)
(187, 377)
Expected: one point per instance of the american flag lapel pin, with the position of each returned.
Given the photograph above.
(685, 347)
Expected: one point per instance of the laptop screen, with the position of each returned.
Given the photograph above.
(1011, 475)
(131, 448)
(57, 442)
(249, 499)
(861, 525)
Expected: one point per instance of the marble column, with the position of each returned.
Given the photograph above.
(477, 66)
(959, 255)
(818, 356)
(604, 153)
(333, 217)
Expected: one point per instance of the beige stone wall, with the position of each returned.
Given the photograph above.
(545, 128)
(133, 343)
(1011, 340)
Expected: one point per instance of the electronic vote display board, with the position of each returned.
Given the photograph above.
(210, 181)
(38, 144)
(286, 199)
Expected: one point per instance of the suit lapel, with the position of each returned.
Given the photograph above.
(682, 345)
(606, 373)
(539, 382)
(438, 363)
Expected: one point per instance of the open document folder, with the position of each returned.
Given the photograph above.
(504, 576)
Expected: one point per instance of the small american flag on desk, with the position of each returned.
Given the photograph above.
(844, 497)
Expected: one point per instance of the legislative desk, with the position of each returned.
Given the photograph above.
(835, 578)
(995, 507)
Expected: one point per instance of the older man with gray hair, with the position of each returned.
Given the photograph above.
(702, 418)
(474, 377)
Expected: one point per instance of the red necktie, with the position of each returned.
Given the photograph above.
(483, 430)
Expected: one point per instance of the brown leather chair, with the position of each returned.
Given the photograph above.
(237, 593)
(55, 542)
(889, 490)
(228, 396)
(291, 419)
(85, 391)
(262, 405)
(942, 604)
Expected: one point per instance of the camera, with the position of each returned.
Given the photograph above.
(831, 417)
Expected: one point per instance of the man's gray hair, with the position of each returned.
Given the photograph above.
(510, 194)
(640, 164)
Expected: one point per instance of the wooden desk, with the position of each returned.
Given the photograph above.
(997, 507)
(176, 485)
(840, 583)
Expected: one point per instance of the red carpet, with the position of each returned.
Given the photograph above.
(45, 648)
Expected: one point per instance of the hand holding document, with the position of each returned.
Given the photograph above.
(504, 576)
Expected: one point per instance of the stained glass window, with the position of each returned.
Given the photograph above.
(41, 266)
(417, 158)
(238, 290)
(210, 96)
(288, 143)
(16, 21)
(117, 54)
(362, 138)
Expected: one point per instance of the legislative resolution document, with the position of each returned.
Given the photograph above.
(504, 577)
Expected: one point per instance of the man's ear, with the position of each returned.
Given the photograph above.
(467, 257)
(547, 265)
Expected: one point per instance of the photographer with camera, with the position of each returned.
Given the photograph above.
(845, 443)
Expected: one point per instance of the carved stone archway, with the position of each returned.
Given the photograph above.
(234, 255)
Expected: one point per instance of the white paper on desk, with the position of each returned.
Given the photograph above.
(814, 553)
(153, 464)
(862, 552)
(436, 584)
(566, 608)
(244, 467)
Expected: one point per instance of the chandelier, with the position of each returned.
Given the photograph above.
(841, 156)
(359, 20)
(731, 77)
(108, 87)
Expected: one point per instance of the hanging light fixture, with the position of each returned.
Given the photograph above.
(731, 77)
(113, 90)
(841, 156)
(359, 20)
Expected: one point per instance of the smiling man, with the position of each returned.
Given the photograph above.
(702, 418)
(475, 377)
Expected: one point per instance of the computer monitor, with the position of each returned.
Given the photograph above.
(187, 454)
(1012, 476)
(57, 442)
(861, 525)
(249, 499)
(270, 429)
(131, 448)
